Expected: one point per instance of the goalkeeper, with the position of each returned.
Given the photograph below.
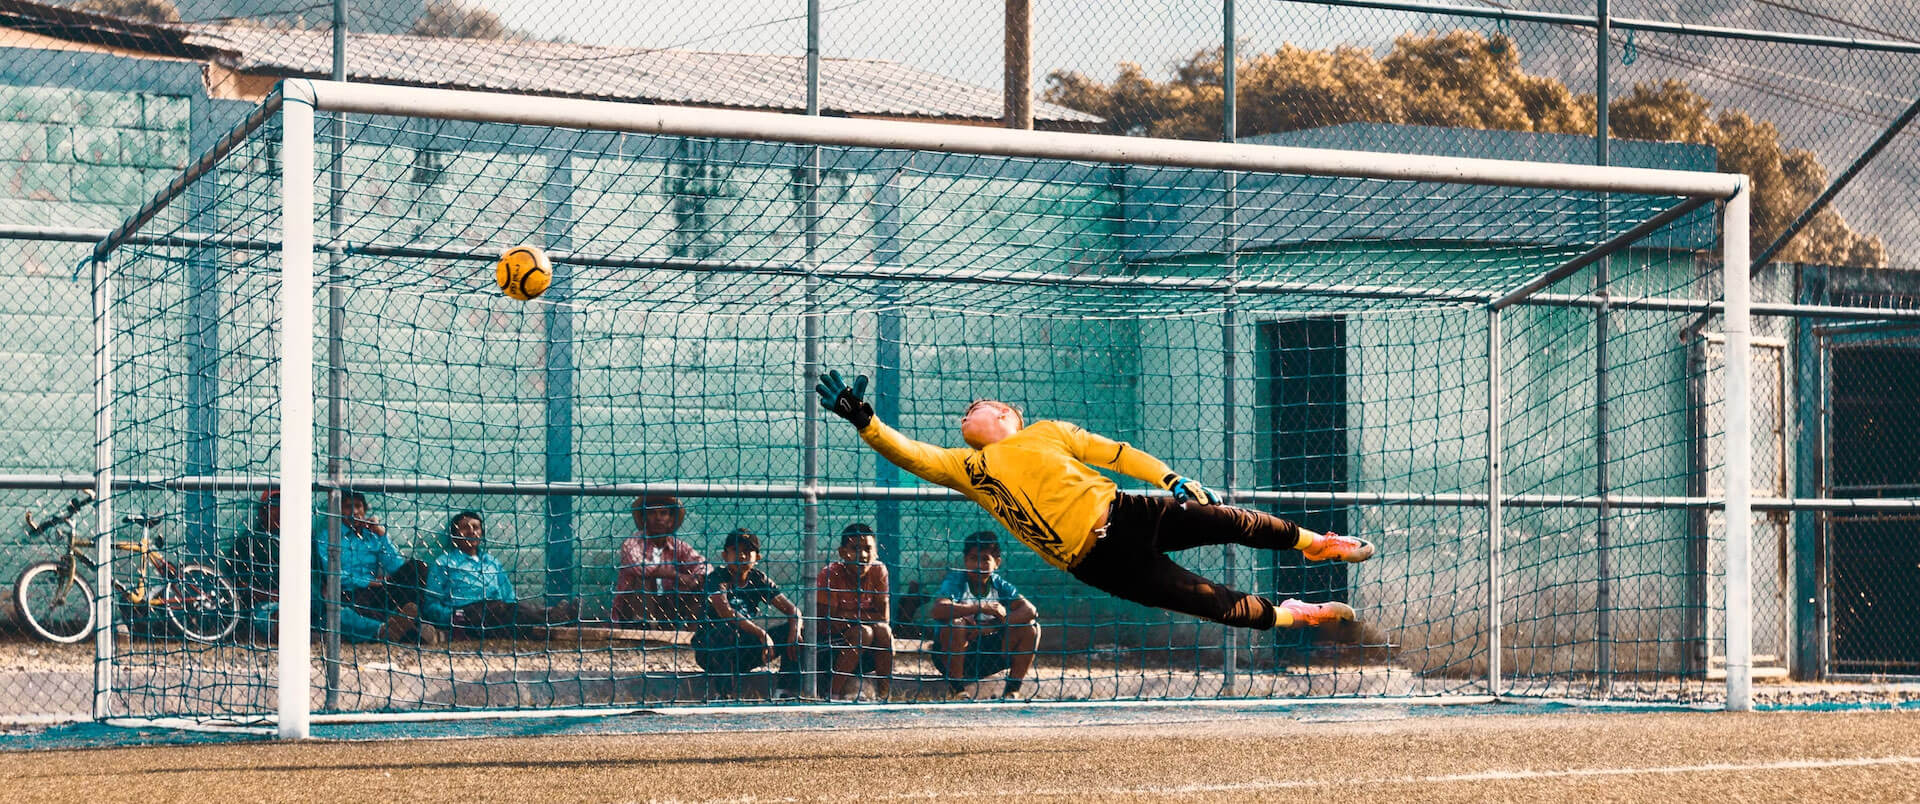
(1036, 481)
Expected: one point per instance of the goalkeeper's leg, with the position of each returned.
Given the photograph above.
(1153, 579)
(1172, 526)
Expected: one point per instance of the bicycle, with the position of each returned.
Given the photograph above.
(55, 601)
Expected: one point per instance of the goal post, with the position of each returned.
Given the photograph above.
(1411, 323)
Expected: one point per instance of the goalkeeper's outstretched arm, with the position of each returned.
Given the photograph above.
(1129, 460)
(928, 462)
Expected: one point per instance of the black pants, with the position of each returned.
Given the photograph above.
(1131, 561)
(404, 586)
(488, 617)
(725, 652)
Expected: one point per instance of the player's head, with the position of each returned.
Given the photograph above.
(980, 553)
(988, 421)
(858, 545)
(657, 514)
(741, 549)
(465, 531)
(353, 504)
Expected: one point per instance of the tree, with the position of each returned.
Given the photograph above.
(1465, 79)
(452, 20)
(156, 11)
(1784, 181)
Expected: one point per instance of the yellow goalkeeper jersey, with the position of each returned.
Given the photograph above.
(1036, 482)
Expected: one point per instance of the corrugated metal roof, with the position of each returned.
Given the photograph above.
(867, 87)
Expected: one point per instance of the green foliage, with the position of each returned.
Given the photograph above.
(1465, 79)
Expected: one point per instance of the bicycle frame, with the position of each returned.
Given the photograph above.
(143, 591)
(147, 549)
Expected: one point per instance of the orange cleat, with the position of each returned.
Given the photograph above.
(1335, 547)
(1308, 614)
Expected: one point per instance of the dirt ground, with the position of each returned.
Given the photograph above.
(1321, 755)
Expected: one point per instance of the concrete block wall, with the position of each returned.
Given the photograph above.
(69, 158)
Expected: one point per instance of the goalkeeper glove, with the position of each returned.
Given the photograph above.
(845, 402)
(1187, 491)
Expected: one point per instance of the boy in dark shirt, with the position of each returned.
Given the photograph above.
(728, 641)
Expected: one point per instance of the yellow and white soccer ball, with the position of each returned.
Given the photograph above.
(523, 272)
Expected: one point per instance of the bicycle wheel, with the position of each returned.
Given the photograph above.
(201, 603)
(54, 603)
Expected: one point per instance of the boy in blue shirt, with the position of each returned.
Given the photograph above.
(469, 591)
(985, 625)
(374, 577)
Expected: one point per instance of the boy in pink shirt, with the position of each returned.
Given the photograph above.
(852, 600)
(660, 576)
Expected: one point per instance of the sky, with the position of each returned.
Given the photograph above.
(958, 38)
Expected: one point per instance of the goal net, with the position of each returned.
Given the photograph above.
(1481, 366)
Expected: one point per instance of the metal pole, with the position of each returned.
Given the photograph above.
(1229, 420)
(1602, 43)
(1017, 78)
(453, 104)
(296, 413)
(336, 369)
(560, 372)
(1495, 446)
(1602, 531)
(1738, 471)
(810, 415)
(339, 40)
(102, 488)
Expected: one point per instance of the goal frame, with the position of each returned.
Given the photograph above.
(297, 101)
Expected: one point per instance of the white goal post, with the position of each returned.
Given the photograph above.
(299, 100)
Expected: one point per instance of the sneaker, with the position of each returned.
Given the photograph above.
(1335, 547)
(1310, 614)
(430, 635)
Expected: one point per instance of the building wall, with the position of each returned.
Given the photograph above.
(85, 138)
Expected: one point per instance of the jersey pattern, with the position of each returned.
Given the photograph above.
(1039, 482)
(1016, 511)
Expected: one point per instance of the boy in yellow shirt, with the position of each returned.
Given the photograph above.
(1036, 480)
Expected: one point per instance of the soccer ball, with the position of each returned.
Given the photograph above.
(523, 272)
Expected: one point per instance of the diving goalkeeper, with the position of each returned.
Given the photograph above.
(1036, 480)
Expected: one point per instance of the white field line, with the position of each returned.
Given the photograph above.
(1483, 776)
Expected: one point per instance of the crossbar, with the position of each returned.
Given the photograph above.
(637, 118)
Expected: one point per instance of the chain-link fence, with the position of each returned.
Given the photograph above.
(102, 102)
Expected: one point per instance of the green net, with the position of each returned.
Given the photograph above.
(1316, 347)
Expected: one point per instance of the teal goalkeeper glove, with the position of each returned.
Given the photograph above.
(840, 400)
(1187, 491)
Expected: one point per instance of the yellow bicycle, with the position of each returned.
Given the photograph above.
(54, 600)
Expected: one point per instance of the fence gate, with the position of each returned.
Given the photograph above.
(1870, 440)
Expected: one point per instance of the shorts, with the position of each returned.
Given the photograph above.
(837, 639)
(986, 656)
